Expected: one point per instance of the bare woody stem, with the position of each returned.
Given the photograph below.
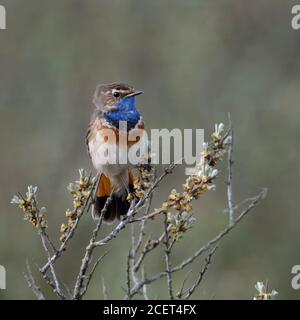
(187, 294)
(168, 259)
(70, 234)
(229, 179)
(215, 240)
(78, 293)
(204, 248)
(31, 283)
(56, 285)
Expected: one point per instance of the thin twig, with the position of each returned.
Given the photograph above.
(71, 232)
(132, 255)
(229, 179)
(145, 293)
(215, 240)
(148, 216)
(142, 226)
(168, 259)
(50, 242)
(180, 292)
(89, 277)
(54, 283)
(128, 282)
(48, 279)
(149, 246)
(136, 244)
(78, 293)
(191, 290)
(104, 289)
(68, 290)
(173, 241)
(146, 281)
(204, 248)
(122, 224)
(57, 288)
(31, 283)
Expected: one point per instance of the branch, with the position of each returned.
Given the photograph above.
(229, 179)
(191, 290)
(146, 281)
(89, 277)
(168, 260)
(145, 293)
(50, 242)
(223, 233)
(137, 244)
(204, 248)
(143, 224)
(70, 233)
(55, 284)
(148, 247)
(132, 256)
(128, 275)
(104, 289)
(31, 283)
(118, 228)
(180, 292)
(78, 293)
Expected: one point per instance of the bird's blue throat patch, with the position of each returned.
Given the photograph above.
(126, 112)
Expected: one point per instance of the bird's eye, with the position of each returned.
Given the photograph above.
(116, 94)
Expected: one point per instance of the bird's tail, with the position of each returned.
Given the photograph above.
(118, 204)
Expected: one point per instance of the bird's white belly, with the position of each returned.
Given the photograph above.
(107, 157)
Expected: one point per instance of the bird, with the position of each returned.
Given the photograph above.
(113, 103)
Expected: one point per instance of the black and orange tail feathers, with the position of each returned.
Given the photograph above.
(118, 205)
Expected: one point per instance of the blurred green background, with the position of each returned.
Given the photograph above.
(195, 60)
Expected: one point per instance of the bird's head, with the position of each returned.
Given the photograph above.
(110, 96)
(117, 101)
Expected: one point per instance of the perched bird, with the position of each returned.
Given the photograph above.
(113, 102)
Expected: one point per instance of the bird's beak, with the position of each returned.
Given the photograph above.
(135, 93)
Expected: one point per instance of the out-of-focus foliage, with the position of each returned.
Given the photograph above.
(195, 61)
